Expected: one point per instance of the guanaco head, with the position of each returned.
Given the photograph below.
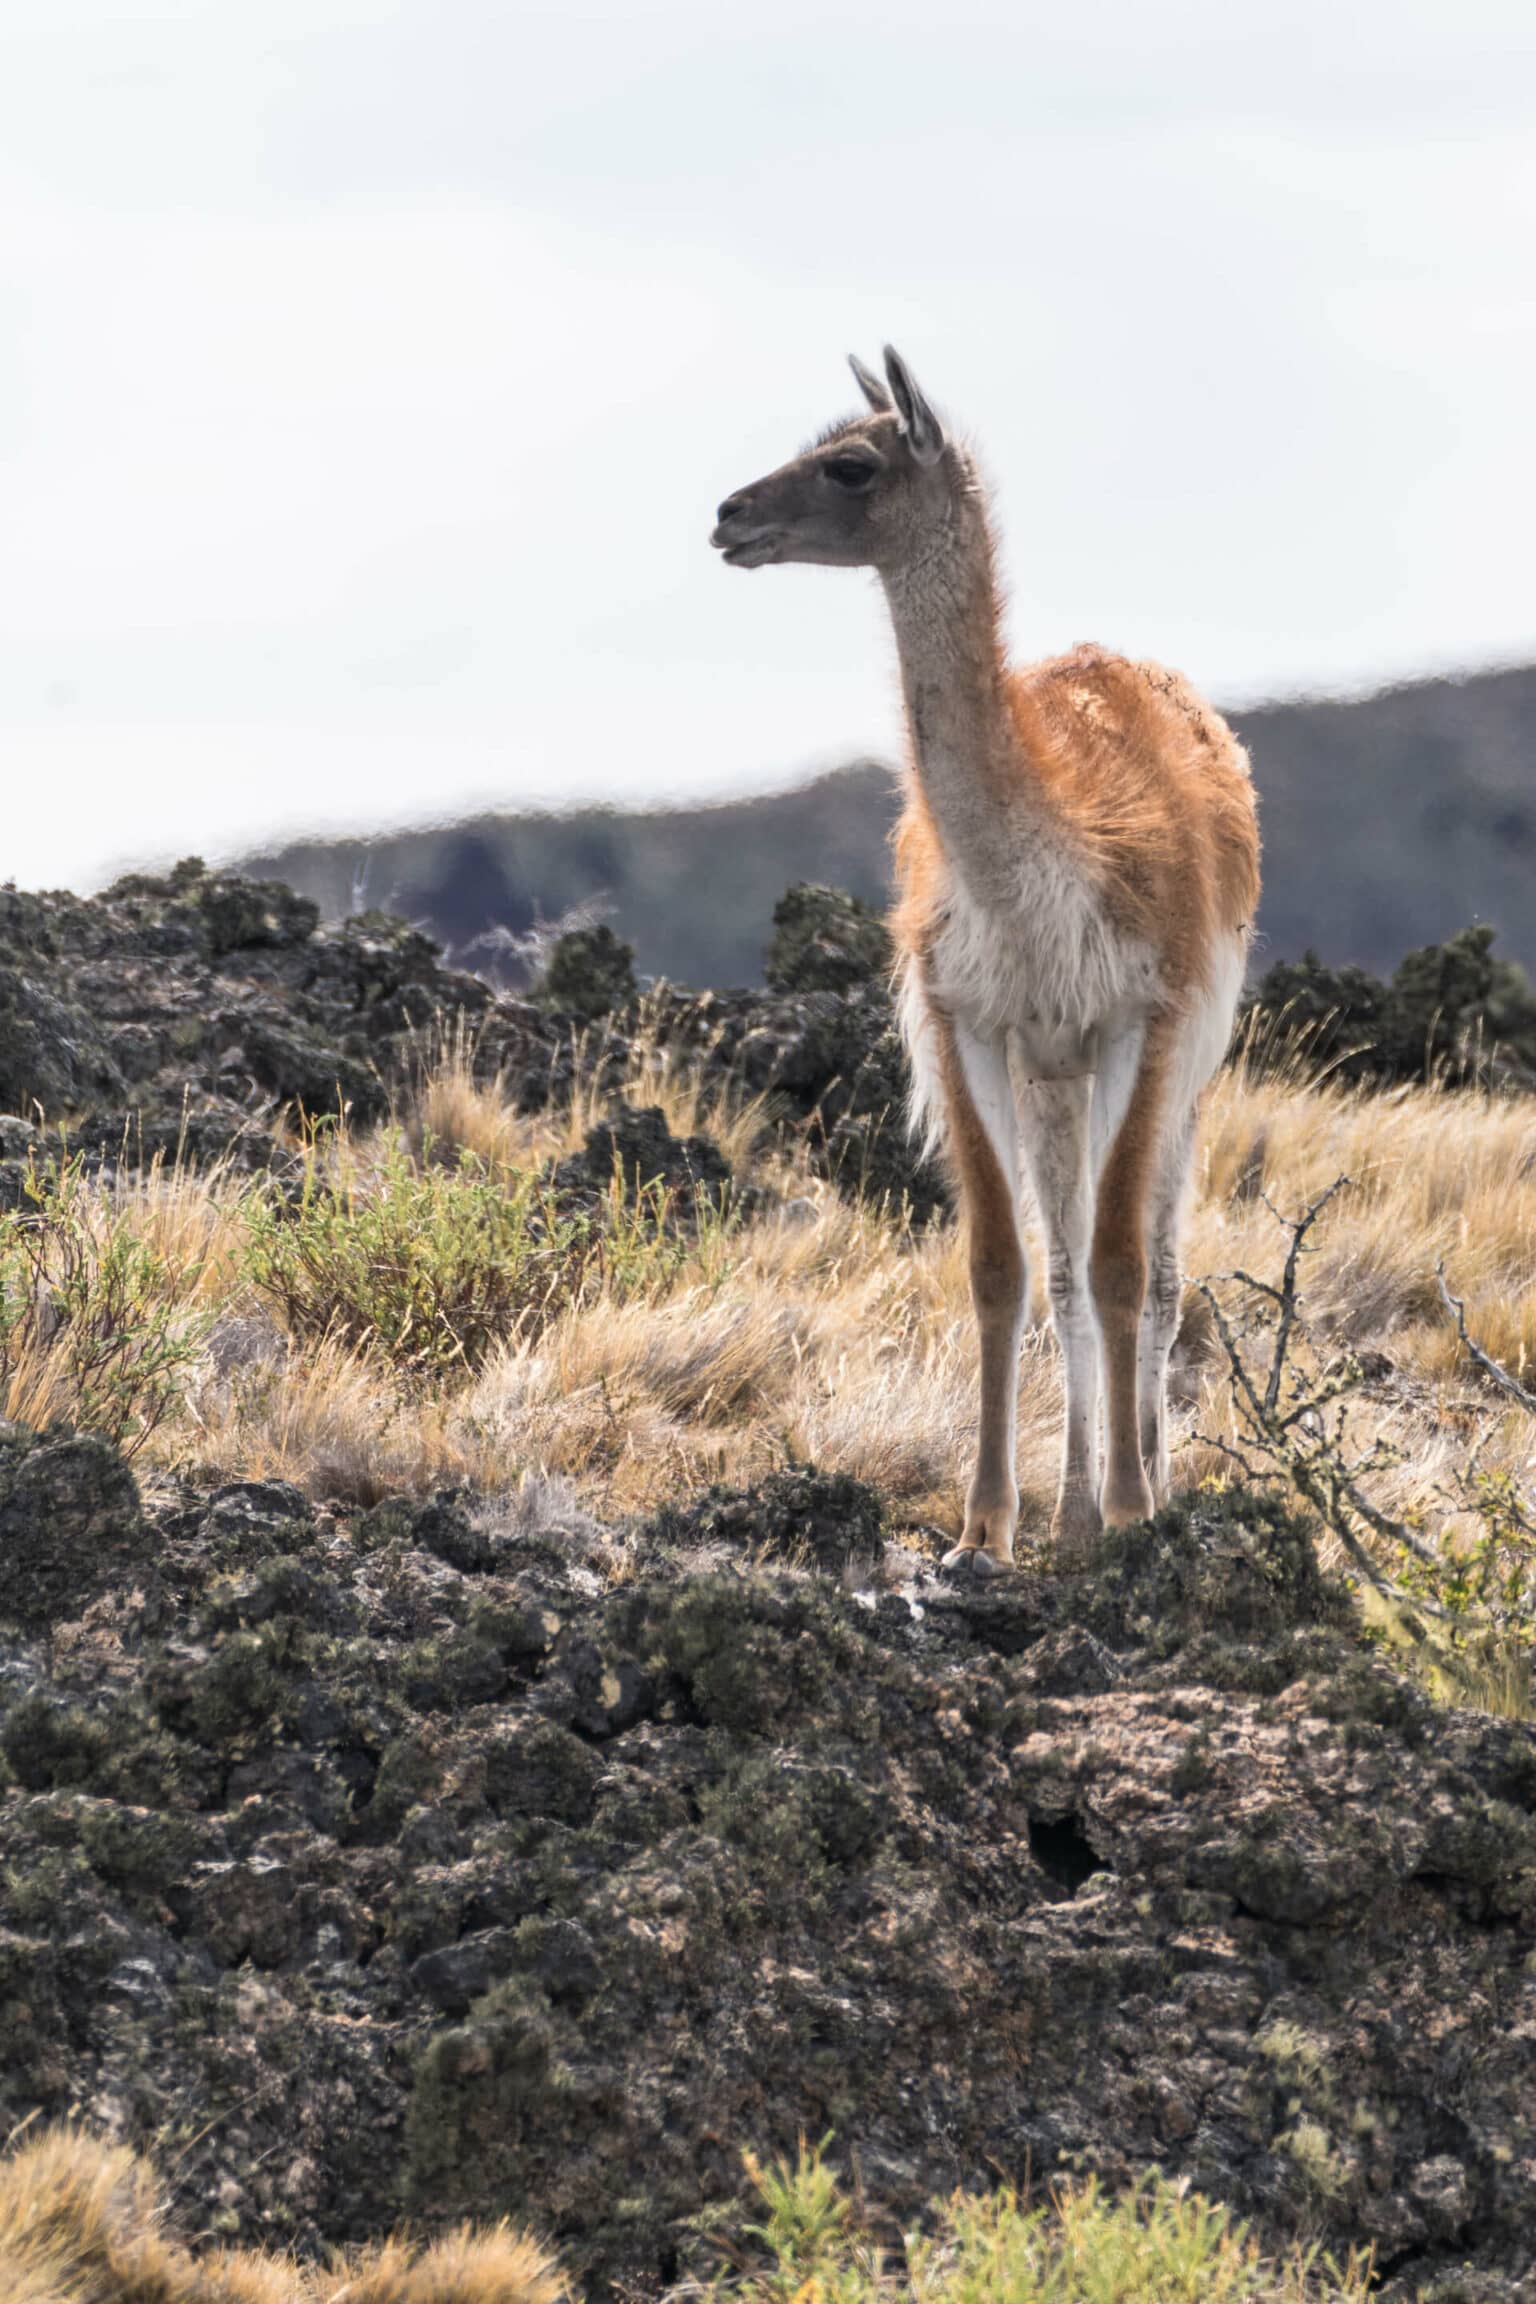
(866, 495)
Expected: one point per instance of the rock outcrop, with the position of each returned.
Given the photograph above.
(447, 1861)
(186, 1011)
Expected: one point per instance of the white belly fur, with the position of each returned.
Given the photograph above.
(1053, 982)
(1052, 972)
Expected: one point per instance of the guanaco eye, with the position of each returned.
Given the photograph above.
(851, 472)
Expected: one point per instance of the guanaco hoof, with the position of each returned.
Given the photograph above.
(970, 1560)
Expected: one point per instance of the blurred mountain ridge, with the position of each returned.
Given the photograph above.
(1389, 820)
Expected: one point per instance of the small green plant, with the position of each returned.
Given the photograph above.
(808, 2224)
(433, 1263)
(1480, 1592)
(1194, 1766)
(1486, 1581)
(430, 1266)
(94, 1330)
(1157, 2243)
(1310, 2150)
(1299, 2060)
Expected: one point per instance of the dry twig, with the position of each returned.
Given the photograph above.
(1456, 1306)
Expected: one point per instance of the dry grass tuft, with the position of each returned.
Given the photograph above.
(492, 2265)
(457, 1108)
(84, 2222)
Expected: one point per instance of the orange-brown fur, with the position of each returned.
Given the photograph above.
(1118, 1265)
(1147, 783)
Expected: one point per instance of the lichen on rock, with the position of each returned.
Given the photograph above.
(406, 1865)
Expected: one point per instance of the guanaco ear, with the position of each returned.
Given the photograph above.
(870, 385)
(925, 434)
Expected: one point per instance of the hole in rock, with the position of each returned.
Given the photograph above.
(1061, 1850)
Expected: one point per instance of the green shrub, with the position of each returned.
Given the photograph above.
(590, 973)
(825, 940)
(1157, 2243)
(433, 1265)
(94, 1330)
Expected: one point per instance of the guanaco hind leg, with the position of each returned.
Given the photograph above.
(1160, 1313)
(1121, 1226)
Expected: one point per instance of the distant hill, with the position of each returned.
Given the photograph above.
(1388, 822)
(1395, 820)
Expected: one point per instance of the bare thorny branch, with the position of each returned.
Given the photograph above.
(1456, 1306)
(1295, 1421)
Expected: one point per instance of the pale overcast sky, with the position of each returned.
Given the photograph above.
(368, 376)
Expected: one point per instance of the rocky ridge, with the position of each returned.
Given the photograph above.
(190, 1010)
(456, 1860)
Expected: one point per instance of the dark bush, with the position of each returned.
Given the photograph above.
(635, 1145)
(591, 972)
(825, 940)
(1449, 1010)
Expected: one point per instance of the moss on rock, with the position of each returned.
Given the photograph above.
(492, 1891)
(70, 1524)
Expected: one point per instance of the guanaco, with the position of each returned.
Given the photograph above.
(1077, 870)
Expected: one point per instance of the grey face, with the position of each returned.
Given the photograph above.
(857, 498)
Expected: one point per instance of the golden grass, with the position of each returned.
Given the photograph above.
(819, 1330)
(84, 2222)
(458, 1106)
(325, 1419)
(1435, 1174)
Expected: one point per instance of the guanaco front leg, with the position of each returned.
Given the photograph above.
(983, 1140)
(1055, 1134)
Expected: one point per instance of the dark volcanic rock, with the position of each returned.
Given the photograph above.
(70, 1524)
(410, 1872)
(176, 1014)
(52, 1053)
(831, 1069)
(826, 1520)
(637, 1146)
(177, 1011)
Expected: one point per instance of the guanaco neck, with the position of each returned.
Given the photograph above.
(947, 616)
